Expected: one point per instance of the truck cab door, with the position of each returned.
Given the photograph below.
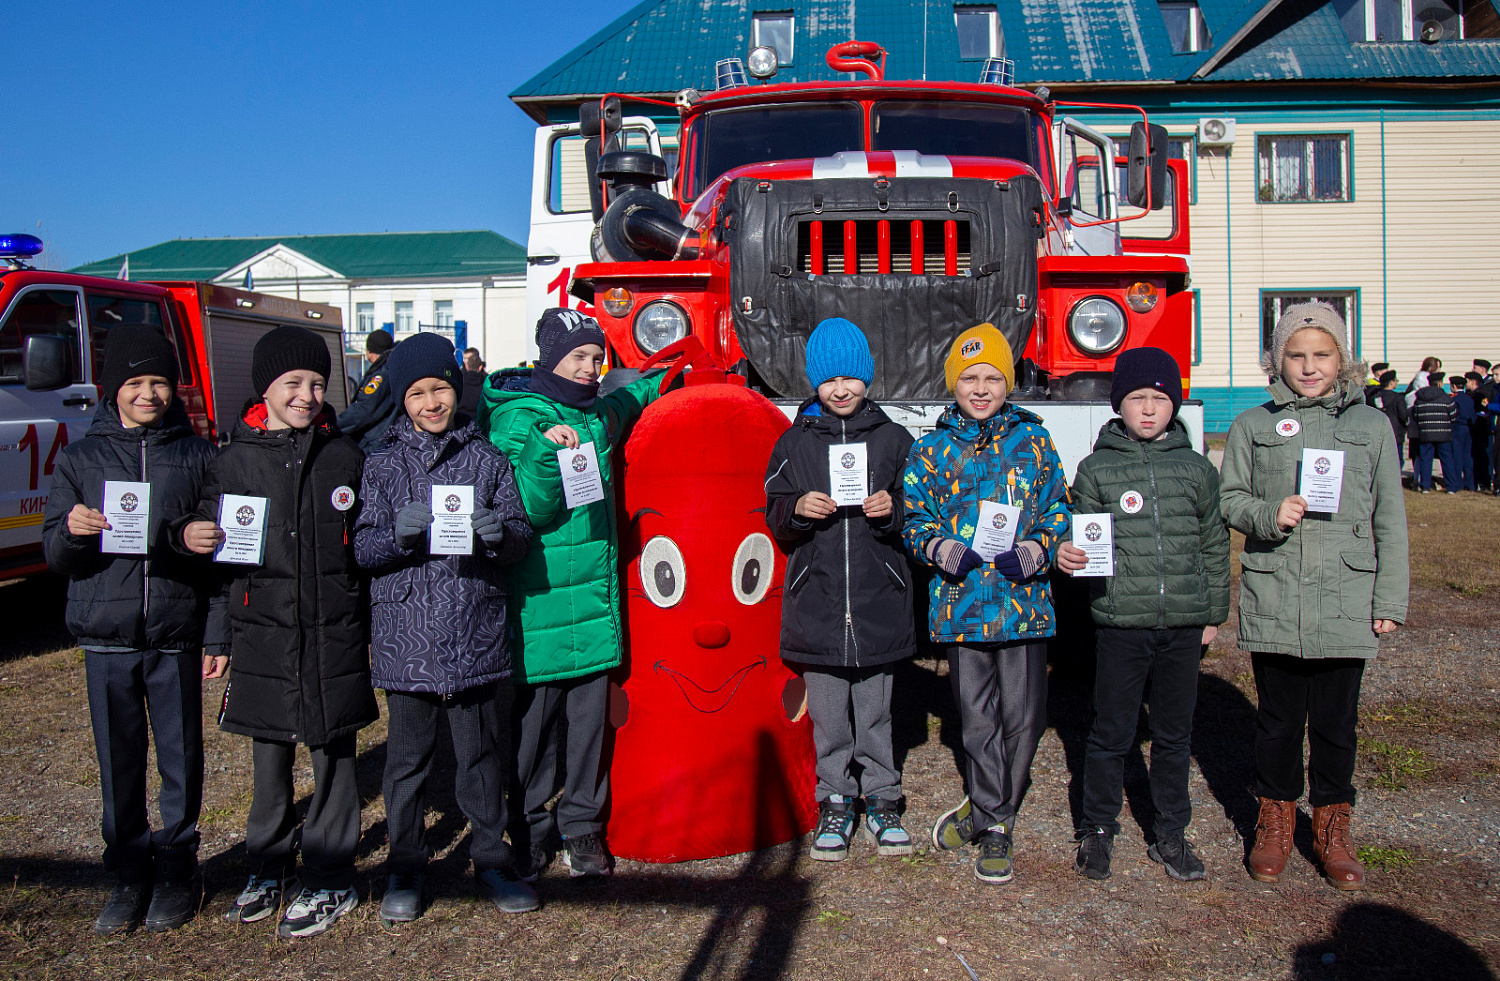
(1088, 191)
(36, 425)
(561, 222)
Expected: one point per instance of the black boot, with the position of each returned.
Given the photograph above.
(175, 899)
(126, 906)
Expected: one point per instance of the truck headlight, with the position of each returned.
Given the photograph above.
(1097, 325)
(659, 324)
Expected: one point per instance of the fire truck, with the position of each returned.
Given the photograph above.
(53, 328)
(915, 209)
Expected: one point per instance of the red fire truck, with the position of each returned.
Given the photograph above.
(916, 209)
(53, 327)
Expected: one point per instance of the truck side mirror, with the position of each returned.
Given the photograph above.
(598, 125)
(1147, 162)
(46, 362)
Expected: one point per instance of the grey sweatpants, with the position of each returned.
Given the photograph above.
(851, 717)
(1001, 693)
(581, 705)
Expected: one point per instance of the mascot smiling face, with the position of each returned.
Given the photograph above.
(713, 754)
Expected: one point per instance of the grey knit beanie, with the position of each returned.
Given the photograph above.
(1318, 316)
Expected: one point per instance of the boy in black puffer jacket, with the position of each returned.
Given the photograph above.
(300, 668)
(1169, 593)
(139, 619)
(1433, 416)
(846, 615)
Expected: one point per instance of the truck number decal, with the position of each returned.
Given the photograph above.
(560, 283)
(31, 442)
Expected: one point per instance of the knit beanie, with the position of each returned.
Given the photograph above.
(1317, 316)
(561, 331)
(287, 348)
(424, 355)
(379, 341)
(980, 345)
(838, 349)
(131, 351)
(1146, 367)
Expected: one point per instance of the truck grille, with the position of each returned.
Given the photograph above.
(871, 245)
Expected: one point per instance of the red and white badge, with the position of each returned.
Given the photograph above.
(343, 497)
(1132, 501)
(1289, 427)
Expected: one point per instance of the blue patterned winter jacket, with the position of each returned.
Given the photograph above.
(437, 621)
(1008, 458)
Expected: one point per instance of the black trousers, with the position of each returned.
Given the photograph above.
(129, 690)
(1128, 660)
(1320, 696)
(329, 835)
(479, 719)
(582, 706)
(1001, 692)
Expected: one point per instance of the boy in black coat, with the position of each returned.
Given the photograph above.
(298, 626)
(139, 619)
(846, 615)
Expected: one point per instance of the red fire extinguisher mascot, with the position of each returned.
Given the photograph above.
(713, 752)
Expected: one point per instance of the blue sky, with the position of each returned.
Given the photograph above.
(128, 124)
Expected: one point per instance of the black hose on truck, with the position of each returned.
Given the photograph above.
(639, 224)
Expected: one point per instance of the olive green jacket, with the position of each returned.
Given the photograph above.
(1313, 591)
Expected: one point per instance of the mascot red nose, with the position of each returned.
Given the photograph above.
(713, 753)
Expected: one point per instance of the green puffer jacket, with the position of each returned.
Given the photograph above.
(1313, 591)
(565, 592)
(1171, 545)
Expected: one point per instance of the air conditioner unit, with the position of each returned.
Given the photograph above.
(1216, 131)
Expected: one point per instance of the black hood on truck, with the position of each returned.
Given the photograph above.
(910, 318)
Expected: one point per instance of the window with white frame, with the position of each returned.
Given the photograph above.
(442, 313)
(1273, 304)
(364, 317)
(1416, 20)
(406, 320)
(1303, 167)
(1185, 27)
(773, 29)
(979, 33)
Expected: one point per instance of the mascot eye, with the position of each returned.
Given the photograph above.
(663, 573)
(754, 564)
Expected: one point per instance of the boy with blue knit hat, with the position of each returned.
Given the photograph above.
(833, 496)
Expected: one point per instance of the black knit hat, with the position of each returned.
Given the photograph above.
(424, 355)
(379, 341)
(287, 348)
(560, 331)
(131, 351)
(1146, 367)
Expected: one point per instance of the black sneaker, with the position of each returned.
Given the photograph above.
(173, 903)
(125, 908)
(586, 856)
(1176, 855)
(315, 910)
(538, 858)
(1095, 846)
(260, 898)
(883, 827)
(835, 828)
(402, 901)
(992, 862)
(507, 891)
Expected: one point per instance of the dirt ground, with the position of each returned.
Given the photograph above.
(1428, 823)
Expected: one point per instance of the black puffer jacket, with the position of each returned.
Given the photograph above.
(1171, 542)
(848, 592)
(300, 666)
(373, 410)
(155, 601)
(1432, 415)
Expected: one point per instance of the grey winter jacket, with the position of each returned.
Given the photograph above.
(1171, 544)
(1433, 415)
(437, 621)
(1313, 591)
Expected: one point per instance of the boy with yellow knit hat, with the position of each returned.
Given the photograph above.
(986, 507)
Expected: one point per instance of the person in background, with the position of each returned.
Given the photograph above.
(1463, 424)
(373, 408)
(1432, 417)
(1418, 382)
(473, 383)
(1481, 391)
(1491, 388)
(1372, 385)
(1388, 400)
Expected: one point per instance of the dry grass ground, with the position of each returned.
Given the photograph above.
(1429, 821)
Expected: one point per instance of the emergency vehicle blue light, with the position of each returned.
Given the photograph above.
(20, 245)
(997, 71)
(729, 73)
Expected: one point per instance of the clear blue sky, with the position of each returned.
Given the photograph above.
(128, 124)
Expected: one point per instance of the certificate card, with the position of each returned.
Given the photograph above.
(244, 522)
(1322, 479)
(849, 474)
(582, 483)
(1095, 534)
(452, 519)
(996, 532)
(127, 508)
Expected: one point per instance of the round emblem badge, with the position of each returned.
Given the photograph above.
(1322, 466)
(1131, 501)
(847, 460)
(129, 502)
(245, 515)
(452, 503)
(343, 497)
(1289, 427)
(1093, 532)
(580, 463)
(999, 520)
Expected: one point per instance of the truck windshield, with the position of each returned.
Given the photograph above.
(952, 129)
(735, 137)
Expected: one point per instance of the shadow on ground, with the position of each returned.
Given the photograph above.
(1373, 942)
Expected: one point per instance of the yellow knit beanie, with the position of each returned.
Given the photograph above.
(980, 345)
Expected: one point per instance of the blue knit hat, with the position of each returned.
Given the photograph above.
(838, 349)
(424, 355)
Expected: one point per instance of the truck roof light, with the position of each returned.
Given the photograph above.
(729, 73)
(997, 71)
(19, 246)
(763, 61)
(314, 314)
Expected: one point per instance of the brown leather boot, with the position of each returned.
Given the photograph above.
(1333, 849)
(1273, 839)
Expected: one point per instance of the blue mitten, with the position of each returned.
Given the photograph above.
(1021, 562)
(953, 556)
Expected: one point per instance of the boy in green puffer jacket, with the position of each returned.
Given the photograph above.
(565, 592)
(1162, 606)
